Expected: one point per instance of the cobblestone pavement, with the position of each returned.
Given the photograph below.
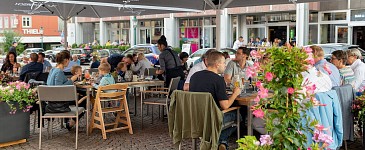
(152, 137)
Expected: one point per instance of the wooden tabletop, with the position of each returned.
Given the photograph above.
(245, 100)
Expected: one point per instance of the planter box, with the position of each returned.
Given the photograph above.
(13, 127)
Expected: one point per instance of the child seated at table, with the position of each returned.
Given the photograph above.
(107, 79)
(76, 70)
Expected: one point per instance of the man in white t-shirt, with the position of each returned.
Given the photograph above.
(198, 67)
(238, 43)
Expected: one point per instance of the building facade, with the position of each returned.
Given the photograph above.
(34, 29)
(340, 22)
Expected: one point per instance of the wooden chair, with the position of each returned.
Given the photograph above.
(63, 93)
(160, 101)
(115, 92)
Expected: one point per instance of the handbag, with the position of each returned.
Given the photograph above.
(58, 107)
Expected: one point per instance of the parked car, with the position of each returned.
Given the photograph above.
(331, 47)
(51, 54)
(199, 53)
(83, 54)
(27, 52)
(150, 51)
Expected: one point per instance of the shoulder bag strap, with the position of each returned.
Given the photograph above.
(173, 56)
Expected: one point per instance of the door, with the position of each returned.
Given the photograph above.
(145, 36)
(358, 37)
(209, 37)
(342, 34)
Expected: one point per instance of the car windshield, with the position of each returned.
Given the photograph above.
(158, 52)
(198, 53)
(329, 50)
(114, 51)
(88, 51)
(75, 52)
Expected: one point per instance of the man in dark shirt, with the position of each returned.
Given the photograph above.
(115, 59)
(209, 81)
(95, 63)
(13, 48)
(33, 66)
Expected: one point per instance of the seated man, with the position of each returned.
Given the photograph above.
(238, 66)
(46, 64)
(33, 66)
(209, 81)
(198, 67)
(95, 63)
(67, 70)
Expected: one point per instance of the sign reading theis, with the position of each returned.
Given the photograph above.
(32, 31)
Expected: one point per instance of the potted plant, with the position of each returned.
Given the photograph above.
(285, 110)
(16, 99)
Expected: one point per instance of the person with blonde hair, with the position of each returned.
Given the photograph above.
(107, 79)
(142, 65)
(354, 59)
(328, 68)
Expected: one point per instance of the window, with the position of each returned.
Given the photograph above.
(255, 19)
(358, 15)
(313, 17)
(6, 22)
(331, 16)
(13, 21)
(26, 22)
(1, 22)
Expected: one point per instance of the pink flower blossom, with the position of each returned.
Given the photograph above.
(310, 61)
(257, 143)
(255, 54)
(309, 148)
(259, 84)
(257, 99)
(258, 113)
(269, 76)
(319, 127)
(265, 140)
(263, 93)
(308, 50)
(18, 87)
(290, 90)
(327, 68)
(257, 66)
(310, 88)
(250, 72)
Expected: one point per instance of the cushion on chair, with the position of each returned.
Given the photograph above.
(68, 114)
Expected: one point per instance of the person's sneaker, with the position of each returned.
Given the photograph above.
(222, 147)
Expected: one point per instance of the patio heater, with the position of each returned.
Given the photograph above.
(41, 32)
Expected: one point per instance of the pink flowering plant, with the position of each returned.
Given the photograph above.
(18, 93)
(284, 109)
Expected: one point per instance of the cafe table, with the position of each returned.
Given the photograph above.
(135, 84)
(248, 100)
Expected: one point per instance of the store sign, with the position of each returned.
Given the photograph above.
(358, 15)
(31, 31)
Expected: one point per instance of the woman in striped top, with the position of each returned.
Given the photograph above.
(347, 74)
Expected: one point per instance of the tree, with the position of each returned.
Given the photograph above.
(11, 36)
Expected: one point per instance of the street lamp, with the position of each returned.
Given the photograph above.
(41, 32)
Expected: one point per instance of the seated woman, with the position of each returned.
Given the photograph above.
(142, 65)
(57, 77)
(10, 63)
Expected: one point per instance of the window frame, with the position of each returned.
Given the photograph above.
(30, 21)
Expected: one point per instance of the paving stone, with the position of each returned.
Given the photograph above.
(153, 136)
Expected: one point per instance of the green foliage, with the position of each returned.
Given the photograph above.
(286, 64)
(11, 36)
(17, 93)
(284, 121)
(177, 49)
(74, 45)
(248, 143)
